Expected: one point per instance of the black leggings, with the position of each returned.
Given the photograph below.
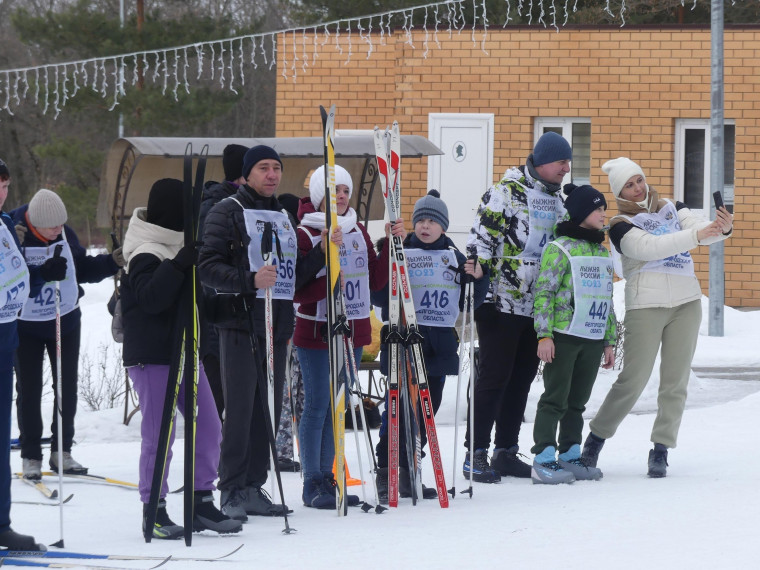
(29, 358)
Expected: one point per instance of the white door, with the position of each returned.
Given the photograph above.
(465, 170)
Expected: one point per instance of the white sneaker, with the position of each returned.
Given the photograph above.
(32, 468)
(70, 465)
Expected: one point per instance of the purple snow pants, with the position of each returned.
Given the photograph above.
(150, 383)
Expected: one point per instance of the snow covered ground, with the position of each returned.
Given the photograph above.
(702, 515)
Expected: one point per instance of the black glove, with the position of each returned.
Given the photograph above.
(186, 257)
(54, 269)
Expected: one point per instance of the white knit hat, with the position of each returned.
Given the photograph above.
(47, 210)
(620, 171)
(317, 184)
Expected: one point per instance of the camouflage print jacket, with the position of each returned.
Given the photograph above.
(554, 303)
(499, 237)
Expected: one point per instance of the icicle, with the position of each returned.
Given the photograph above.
(474, 20)
(337, 38)
(369, 38)
(176, 75)
(408, 25)
(553, 13)
(212, 59)
(241, 59)
(273, 59)
(157, 67)
(185, 67)
(221, 64)
(26, 84)
(284, 71)
(427, 34)
(462, 19)
(350, 47)
(231, 67)
(325, 36)
(165, 64)
(435, 33)
(607, 8)
(530, 12)
(304, 55)
(64, 88)
(15, 89)
(104, 81)
(57, 95)
(47, 91)
(36, 85)
(622, 13)
(263, 51)
(295, 57)
(253, 52)
(507, 19)
(199, 58)
(116, 85)
(6, 105)
(485, 29)
(382, 31)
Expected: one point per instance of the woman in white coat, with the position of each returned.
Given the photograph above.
(653, 237)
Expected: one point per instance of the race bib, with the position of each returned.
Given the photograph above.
(285, 286)
(353, 263)
(42, 307)
(14, 277)
(435, 288)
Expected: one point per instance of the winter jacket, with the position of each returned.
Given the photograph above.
(150, 289)
(309, 333)
(89, 269)
(225, 251)
(8, 331)
(499, 236)
(554, 303)
(213, 192)
(439, 344)
(646, 289)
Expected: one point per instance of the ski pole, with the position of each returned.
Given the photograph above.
(260, 381)
(59, 397)
(266, 255)
(471, 385)
(466, 318)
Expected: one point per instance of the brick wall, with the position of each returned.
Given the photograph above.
(633, 83)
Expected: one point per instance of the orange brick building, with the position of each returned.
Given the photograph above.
(638, 92)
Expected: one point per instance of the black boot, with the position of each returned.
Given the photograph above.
(12, 540)
(207, 517)
(164, 527)
(658, 461)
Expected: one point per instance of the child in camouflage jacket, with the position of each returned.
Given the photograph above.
(576, 328)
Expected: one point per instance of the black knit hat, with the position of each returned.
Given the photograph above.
(257, 153)
(581, 201)
(232, 161)
(431, 207)
(4, 172)
(165, 204)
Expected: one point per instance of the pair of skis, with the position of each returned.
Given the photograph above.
(403, 337)
(185, 360)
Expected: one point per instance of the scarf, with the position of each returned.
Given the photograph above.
(317, 220)
(651, 203)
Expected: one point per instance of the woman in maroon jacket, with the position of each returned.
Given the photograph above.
(362, 271)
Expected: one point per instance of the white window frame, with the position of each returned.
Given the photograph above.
(682, 125)
(566, 124)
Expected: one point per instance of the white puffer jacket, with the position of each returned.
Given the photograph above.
(647, 289)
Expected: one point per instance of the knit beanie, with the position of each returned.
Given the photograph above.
(47, 210)
(551, 147)
(581, 201)
(317, 184)
(4, 172)
(620, 171)
(165, 204)
(257, 153)
(232, 161)
(431, 207)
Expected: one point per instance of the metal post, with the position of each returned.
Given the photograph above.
(717, 275)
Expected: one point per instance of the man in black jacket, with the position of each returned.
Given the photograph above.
(224, 266)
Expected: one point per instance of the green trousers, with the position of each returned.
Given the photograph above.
(568, 381)
(646, 330)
